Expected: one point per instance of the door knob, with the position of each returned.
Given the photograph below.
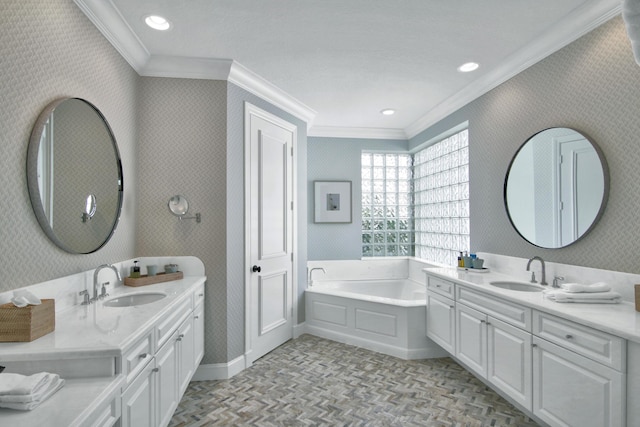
(256, 269)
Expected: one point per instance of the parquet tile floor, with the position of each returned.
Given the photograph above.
(311, 381)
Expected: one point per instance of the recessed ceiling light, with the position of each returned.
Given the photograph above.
(469, 66)
(157, 22)
(388, 111)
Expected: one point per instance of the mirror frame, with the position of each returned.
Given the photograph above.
(32, 175)
(605, 195)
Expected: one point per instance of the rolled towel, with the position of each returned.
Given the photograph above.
(584, 298)
(579, 287)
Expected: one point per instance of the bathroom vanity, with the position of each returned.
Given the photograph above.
(564, 364)
(124, 363)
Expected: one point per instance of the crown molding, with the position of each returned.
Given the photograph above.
(359, 133)
(564, 32)
(104, 15)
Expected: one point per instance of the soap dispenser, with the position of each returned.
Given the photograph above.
(135, 270)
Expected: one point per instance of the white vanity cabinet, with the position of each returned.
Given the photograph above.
(494, 349)
(579, 377)
(160, 379)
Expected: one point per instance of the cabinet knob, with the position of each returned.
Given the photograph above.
(155, 370)
(200, 295)
(196, 317)
(534, 345)
(569, 336)
(143, 355)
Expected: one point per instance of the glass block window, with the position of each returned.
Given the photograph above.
(387, 214)
(441, 199)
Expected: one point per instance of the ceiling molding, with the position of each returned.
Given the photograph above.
(251, 82)
(104, 15)
(566, 31)
(359, 133)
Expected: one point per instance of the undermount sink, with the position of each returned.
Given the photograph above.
(129, 300)
(517, 286)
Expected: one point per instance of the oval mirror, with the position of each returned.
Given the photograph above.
(556, 187)
(179, 206)
(74, 175)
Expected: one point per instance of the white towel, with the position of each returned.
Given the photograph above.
(579, 287)
(15, 384)
(28, 402)
(585, 298)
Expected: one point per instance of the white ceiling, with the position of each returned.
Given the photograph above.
(341, 62)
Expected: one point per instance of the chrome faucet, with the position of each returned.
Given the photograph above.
(533, 280)
(311, 274)
(96, 285)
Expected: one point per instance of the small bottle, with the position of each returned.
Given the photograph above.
(460, 260)
(135, 270)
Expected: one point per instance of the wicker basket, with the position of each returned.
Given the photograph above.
(27, 323)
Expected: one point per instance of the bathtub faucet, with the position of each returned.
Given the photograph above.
(311, 274)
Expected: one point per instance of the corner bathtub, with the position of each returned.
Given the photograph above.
(387, 316)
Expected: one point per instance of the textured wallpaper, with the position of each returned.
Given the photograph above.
(50, 50)
(591, 85)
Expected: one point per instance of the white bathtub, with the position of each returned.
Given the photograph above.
(384, 315)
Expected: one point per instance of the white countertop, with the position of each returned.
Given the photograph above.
(617, 319)
(90, 330)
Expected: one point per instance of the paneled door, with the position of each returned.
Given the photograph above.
(269, 311)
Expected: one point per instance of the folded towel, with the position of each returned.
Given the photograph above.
(579, 287)
(16, 384)
(29, 402)
(585, 298)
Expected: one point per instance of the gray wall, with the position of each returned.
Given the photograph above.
(37, 66)
(592, 85)
(338, 159)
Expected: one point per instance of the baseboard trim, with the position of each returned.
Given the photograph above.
(219, 371)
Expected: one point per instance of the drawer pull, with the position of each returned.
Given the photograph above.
(534, 345)
(569, 336)
(143, 355)
(196, 317)
(155, 370)
(200, 295)
(437, 286)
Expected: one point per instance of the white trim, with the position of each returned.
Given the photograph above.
(107, 18)
(360, 133)
(184, 67)
(219, 371)
(299, 329)
(565, 31)
(444, 135)
(251, 82)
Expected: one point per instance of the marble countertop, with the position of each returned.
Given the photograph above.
(617, 319)
(89, 330)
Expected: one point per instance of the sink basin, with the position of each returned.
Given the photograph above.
(129, 300)
(517, 286)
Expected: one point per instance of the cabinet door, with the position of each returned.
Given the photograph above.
(186, 358)
(441, 321)
(138, 403)
(198, 330)
(167, 380)
(509, 360)
(571, 390)
(471, 339)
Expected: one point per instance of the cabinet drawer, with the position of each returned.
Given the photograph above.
(509, 312)
(596, 345)
(198, 295)
(440, 286)
(136, 357)
(168, 325)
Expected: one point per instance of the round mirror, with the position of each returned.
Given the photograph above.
(74, 174)
(178, 205)
(556, 187)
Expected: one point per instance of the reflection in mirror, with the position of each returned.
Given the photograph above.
(556, 188)
(73, 162)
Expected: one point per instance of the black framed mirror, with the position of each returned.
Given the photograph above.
(556, 187)
(74, 175)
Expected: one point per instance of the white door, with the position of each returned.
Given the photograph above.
(471, 339)
(441, 318)
(269, 311)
